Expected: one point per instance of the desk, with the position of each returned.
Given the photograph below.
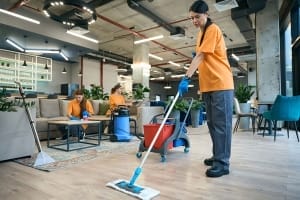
(65, 146)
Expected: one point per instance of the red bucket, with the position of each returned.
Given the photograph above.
(150, 131)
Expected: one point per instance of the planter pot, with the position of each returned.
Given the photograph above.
(245, 121)
(17, 139)
(175, 114)
(195, 118)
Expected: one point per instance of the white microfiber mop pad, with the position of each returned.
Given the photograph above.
(145, 194)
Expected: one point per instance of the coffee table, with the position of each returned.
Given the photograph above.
(69, 145)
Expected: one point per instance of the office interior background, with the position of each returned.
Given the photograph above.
(262, 38)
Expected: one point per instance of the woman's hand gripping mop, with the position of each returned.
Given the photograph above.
(129, 187)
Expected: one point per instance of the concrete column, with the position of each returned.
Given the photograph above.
(268, 50)
(140, 66)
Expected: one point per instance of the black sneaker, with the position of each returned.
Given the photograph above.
(209, 161)
(216, 171)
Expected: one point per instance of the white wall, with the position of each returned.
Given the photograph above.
(91, 75)
(110, 77)
(58, 78)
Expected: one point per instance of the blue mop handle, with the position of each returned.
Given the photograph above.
(136, 174)
(138, 170)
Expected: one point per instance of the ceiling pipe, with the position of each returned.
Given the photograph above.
(240, 16)
(19, 4)
(141, 35)
(133, 4)
(105, 53)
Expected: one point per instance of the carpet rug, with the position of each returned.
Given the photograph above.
(65, 159)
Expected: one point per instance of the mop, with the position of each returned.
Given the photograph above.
(129, 187)
(42, 158)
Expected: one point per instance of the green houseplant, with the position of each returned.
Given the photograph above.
(139, 91)
(7, 105)
(97, 93)
(244, 92)
(197, 104)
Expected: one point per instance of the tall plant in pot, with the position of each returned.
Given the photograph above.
(139, 91)
(180, 106)
(243, 93)
(196, 110)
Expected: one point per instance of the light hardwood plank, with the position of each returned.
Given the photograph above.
(260, 169)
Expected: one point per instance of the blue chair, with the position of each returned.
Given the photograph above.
(284, 109)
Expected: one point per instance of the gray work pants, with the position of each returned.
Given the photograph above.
(219, 105)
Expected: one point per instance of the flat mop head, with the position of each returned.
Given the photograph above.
(43, 159)
(140, 192)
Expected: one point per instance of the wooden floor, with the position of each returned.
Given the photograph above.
(260, 169)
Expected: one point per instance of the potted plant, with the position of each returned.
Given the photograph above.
(243, 94)
(97, 93)
(139, 91)
(180, 106)
(196, 108)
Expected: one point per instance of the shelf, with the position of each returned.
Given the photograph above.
(11, 68)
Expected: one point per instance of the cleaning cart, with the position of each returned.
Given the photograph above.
(173, 134)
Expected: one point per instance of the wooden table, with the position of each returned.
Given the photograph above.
(65, 145)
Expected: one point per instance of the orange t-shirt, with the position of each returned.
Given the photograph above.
(114, 101)
(74, 108)
(214, 72)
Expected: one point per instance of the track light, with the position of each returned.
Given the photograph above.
(14, 44)
(41, 51)
(148, 39)
(64, 56)
(175, 64)
(155, 57)
(19, 16)
(82, 36)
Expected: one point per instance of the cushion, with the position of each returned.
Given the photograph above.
(95, 104)
(103, 107)
(49, 107)
(63, 107)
